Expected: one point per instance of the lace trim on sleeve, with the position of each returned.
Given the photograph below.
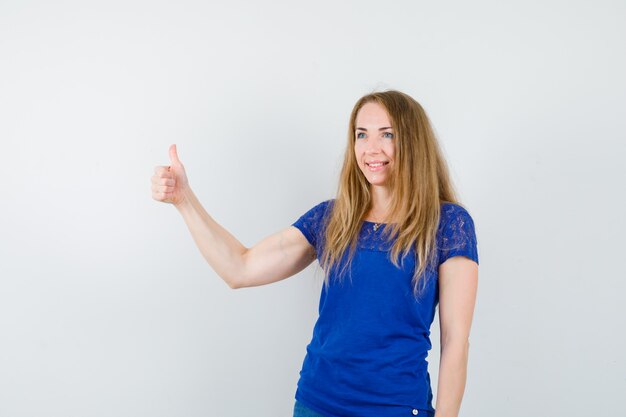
(458, 236)
(310, 223)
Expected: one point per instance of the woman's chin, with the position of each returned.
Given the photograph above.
(378, 182)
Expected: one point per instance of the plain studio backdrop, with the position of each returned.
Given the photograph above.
(107, 307)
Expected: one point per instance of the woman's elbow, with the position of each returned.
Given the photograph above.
(234, 282)
(459, 345)
(233, 285)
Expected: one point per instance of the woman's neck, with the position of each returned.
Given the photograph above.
(381, 199)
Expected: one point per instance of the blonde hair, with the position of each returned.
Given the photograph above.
(419, 183)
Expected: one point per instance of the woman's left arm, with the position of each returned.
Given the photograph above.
(458, 283)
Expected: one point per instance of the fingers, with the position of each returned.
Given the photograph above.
(163, 171)
(162, 189)
(163, 183)
(162, 192)
(166, 181)
(163, 176)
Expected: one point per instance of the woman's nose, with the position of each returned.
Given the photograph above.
(373, 146)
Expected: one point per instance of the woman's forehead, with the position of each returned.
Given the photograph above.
(372, 114)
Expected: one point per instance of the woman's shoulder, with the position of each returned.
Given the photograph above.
(318, 211)
(449, 208)
(453, 213)
(457, 233)
(324, 205)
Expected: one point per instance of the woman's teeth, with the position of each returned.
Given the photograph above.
(377, 166)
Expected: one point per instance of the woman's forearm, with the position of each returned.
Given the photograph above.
(220, 249)
(452, 378)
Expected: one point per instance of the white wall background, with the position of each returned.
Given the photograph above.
(108, 309)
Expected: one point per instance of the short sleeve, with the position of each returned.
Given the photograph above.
(311, 223)
(458, 237)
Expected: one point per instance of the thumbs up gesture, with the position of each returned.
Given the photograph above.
(169, 183)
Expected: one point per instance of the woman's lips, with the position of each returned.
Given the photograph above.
(376, 166)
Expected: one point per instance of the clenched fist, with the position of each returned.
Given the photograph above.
(169, 183)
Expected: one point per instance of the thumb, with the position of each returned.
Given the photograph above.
(174, 155)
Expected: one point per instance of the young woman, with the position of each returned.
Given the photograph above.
(394, 243)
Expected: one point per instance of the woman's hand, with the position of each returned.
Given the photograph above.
(169, 183)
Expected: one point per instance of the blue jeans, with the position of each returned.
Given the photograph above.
(299, 410)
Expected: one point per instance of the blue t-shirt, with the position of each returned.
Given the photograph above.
(367, 357)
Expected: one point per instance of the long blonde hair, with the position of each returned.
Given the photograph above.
(419, 183)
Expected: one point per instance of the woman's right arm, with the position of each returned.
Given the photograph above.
(274, 258)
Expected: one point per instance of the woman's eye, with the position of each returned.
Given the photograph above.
(388, 135)
(358, 135)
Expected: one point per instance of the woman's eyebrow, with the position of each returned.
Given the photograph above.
(382, 128)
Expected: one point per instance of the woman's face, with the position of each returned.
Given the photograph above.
(374, 145)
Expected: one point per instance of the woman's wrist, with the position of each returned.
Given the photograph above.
(187, 197)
